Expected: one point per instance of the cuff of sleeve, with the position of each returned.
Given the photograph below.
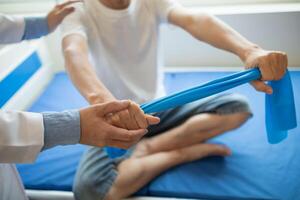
(35, 27)
(62, 128)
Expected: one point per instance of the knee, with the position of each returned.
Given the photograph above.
(90, 186)
(82, 186)
(95, 175)
(220, 123)
(235, 104)
(240, 117)
(235, 120)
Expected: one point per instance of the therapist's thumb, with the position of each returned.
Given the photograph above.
(113, 107)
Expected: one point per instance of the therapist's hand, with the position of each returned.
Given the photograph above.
(59, 12)
(272, 64)
(132, 118)
(96, 131)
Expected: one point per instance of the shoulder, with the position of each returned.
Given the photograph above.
(156, 4)
(162, 8)
(76, 17)
(75, 22)
(79, 11)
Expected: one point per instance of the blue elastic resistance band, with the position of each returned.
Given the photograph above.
(280, 106)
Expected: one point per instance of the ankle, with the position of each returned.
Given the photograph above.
(180, 155)
(144, 148)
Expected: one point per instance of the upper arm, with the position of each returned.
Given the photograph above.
(180, 16)
(73, 30)
(186, 18)
(162, 8)
(75, 51)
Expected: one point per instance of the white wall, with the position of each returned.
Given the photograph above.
(273, 26)
(276, 31)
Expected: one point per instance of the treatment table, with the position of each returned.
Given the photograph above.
(256, 170)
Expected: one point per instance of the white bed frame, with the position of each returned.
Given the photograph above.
(11, 57)
(59, 195)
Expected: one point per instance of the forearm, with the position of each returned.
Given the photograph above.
(84, 77)
(211, 30)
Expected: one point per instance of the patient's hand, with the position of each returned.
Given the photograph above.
(272, 65)
(58, 13)
(133, 118)
(96, 131)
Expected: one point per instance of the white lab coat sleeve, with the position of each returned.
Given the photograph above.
(21, 136)
(11, 29)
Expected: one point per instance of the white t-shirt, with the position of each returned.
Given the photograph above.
(124, 45)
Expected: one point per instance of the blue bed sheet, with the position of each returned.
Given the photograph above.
(256, 170)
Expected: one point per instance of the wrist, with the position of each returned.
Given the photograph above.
(98, 99)
(246, 52)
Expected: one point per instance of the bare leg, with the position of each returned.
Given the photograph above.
(137, 172)
(195, 130)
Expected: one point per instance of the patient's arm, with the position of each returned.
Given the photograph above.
(84, 77)
(81, 71)
(209, 29)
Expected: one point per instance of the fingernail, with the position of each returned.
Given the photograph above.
(124, 101)
(269, 91)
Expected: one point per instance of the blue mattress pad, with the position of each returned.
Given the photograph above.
(256, 170)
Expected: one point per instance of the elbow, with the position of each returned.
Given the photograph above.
(208, 19)
(70, 50)
(72, 53)
(69, 55)
(72, 46)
